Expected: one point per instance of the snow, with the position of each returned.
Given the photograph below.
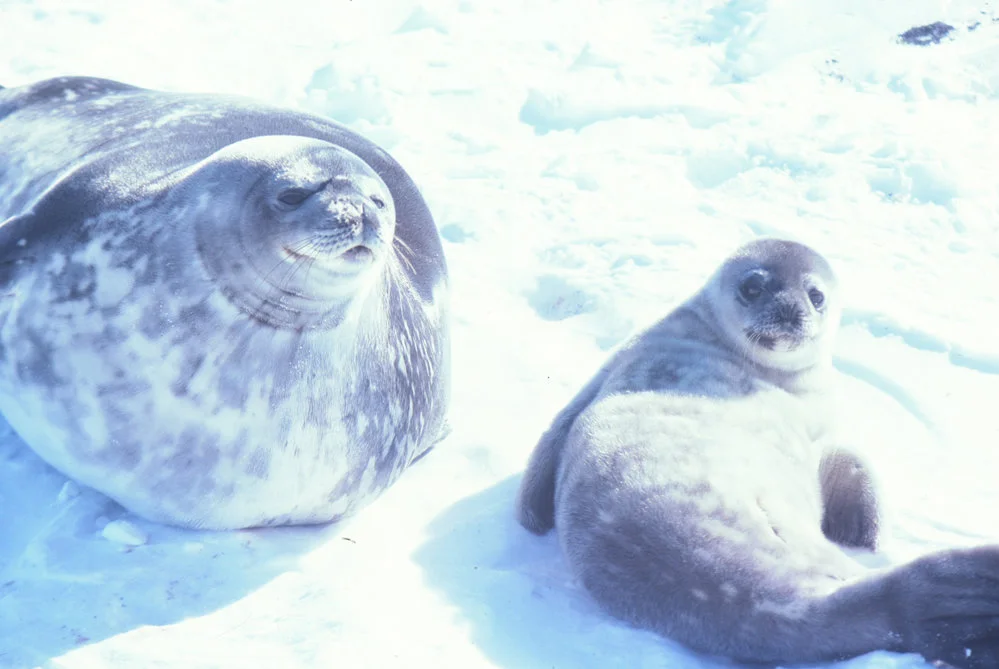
(589, 162)
(123, 532)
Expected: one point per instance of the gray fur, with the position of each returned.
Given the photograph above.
(183, 334)
(850, 510)
(697, 488)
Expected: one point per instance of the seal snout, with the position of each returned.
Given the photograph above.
(790, 315)
(347, 213)
(353, 230)
(329, 212)
(785, 322)
(353, 216)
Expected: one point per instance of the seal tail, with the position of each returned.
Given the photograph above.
(536, 497)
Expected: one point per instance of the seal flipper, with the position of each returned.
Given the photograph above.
(444, 433)
(946, 606)
(851, 514)
(536, 497)
(943, 606)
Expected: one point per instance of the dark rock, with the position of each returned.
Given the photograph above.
(924, 35)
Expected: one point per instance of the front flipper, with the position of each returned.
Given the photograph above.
(444, 433)
(851, 514)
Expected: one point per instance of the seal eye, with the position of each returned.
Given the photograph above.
(380, 203)
(816, 297)
(751, 287)
(294, 196)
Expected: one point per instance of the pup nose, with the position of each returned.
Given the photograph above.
(790, 314)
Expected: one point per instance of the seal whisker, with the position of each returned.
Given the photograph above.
(403, 245)
(299, 247)
(297, 266)
(289, 271)
(308, 269)
(402, 255)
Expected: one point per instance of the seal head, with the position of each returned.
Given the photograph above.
(301, 228)
(776, 301)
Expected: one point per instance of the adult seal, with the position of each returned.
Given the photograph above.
(698, 490)
(218, 313)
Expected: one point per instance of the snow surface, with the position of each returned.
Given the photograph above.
(589, 163)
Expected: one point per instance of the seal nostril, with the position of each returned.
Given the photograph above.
(790, 314)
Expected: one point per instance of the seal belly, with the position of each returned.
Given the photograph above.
(224, 427)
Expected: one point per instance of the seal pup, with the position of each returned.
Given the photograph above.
(698, 490)
(218, 313)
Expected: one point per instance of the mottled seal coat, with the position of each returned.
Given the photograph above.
(698, 490)
(219, 313)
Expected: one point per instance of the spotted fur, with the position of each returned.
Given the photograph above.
(146, 350)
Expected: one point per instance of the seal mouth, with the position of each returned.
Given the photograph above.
(770, 340)
(360, 255)
(766, 341)
(355, 255)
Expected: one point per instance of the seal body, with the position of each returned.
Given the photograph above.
(218, 313)
(698, 489)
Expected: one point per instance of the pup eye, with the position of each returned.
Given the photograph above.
(751, 287)
(817, 298)
(294, 196)
(380, 203)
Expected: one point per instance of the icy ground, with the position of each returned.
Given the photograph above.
(589, 163)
